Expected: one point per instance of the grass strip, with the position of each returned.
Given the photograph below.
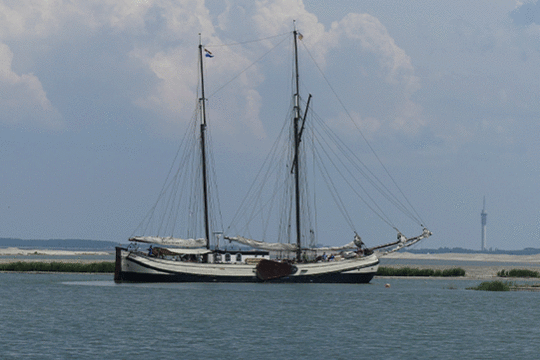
(96, 267)
(407, 271)
(496, 285)
(524, 273)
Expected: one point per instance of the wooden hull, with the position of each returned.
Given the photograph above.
(137, 267)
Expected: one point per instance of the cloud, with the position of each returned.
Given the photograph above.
(22, 98)
(352, 37)
(37, 18)
(161, 36)
(355, 38)
(175, 93)
(526, 14)
(144, 28)
(177, 79)
(394, 66)
(374, 37)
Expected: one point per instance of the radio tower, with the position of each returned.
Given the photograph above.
(483, 214)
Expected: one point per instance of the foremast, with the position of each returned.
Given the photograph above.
(203, 147)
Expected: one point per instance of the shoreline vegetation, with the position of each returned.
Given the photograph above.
(58, 266)
(521, 273)
(498, 285)
(408, 271)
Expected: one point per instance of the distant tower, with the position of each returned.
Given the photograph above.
(484, 221)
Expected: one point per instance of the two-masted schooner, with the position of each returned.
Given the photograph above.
(197, 259)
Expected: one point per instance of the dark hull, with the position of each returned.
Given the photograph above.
(179, 278)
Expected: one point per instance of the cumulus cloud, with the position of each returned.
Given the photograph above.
(175, 94)
(394, 65)
(374, 37)
(363, 33)
(22, 98)
(177, 79)
(162, 36)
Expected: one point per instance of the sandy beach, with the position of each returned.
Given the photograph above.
(493, 263)
(12, 254)
(13, 251)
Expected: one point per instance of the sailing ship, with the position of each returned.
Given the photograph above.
(293, 259)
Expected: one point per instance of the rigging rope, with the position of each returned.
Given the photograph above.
(146, 221)
(373, 179)
(362, 134)
(247, 68)
(251, 195)
(249, 41)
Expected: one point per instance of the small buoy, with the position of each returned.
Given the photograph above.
(386, 285)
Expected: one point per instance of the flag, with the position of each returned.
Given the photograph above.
(208, 53)
(300, 36)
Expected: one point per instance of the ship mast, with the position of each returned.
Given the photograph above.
(203, 148)
(296, 164)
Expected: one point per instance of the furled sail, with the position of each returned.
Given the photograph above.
(356, 243)
(263, 245)
(175, 251)
(351, 245)
(170, 241)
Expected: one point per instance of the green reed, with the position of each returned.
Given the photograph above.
(407, 271)
(96, 267)
(496, 285)
(518, 273)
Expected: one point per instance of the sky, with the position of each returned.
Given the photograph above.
(95, 95)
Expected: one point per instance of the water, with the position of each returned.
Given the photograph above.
(66, 316)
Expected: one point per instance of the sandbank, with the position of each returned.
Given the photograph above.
(13, 251)
(471, 263)
(534, 259)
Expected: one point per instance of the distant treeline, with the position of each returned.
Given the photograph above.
(457, 250)
(59, 244)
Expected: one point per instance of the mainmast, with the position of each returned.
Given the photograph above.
(203, 148)
(296, 150)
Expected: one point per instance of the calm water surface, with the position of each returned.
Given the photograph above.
(65, 316)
